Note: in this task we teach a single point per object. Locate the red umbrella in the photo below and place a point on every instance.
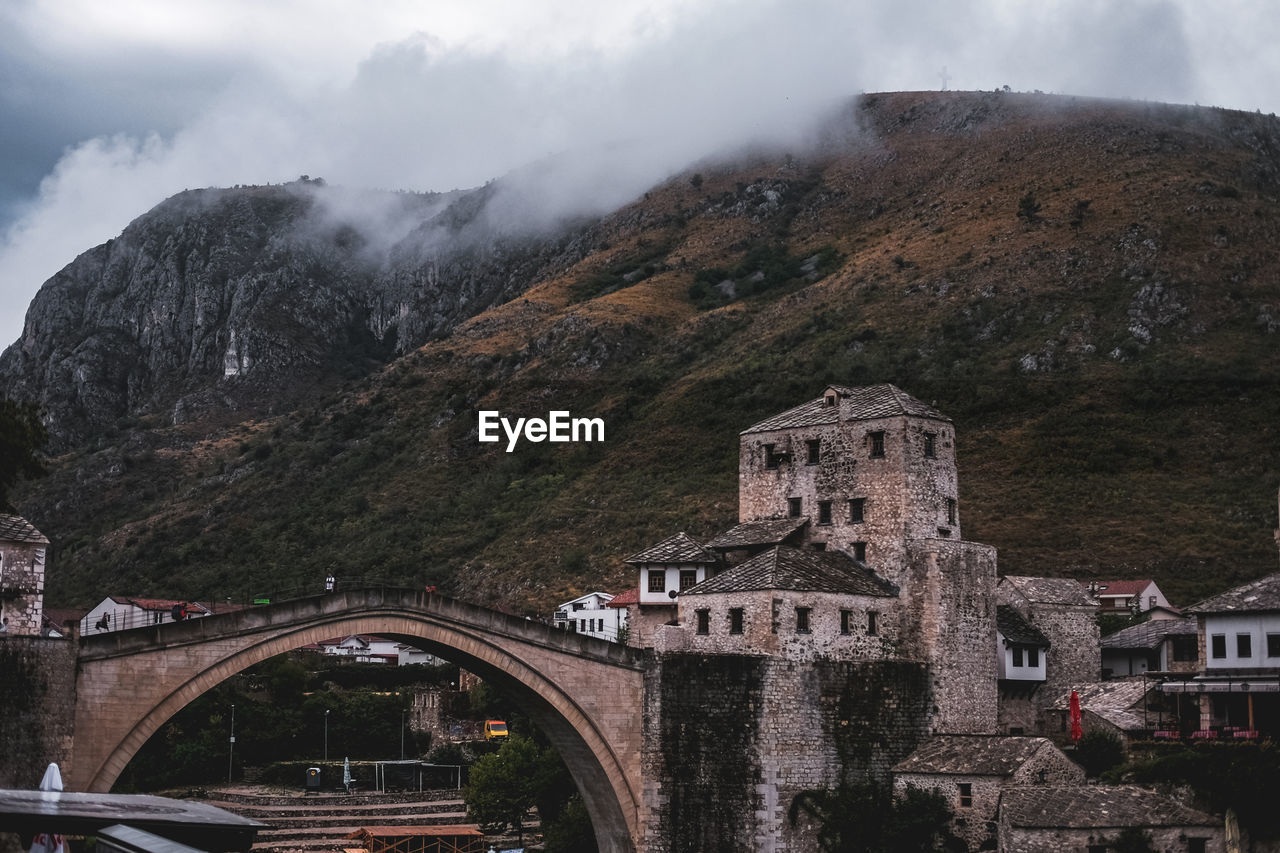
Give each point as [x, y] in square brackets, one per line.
[1076, 731]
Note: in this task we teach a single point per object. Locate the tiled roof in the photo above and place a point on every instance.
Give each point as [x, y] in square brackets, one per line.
[1149, 635]
[15, 528]
[867, 403]
[769, 532]
[622, 599]
[1117, 587]
[1262, 594]
[972, 755]
[1095, 807]
[674, 549]
[1051, 590]
[1016, 629]
[1118, 694]
[802, 569]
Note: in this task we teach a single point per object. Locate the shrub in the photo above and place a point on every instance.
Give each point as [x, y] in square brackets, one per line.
[1098, 751]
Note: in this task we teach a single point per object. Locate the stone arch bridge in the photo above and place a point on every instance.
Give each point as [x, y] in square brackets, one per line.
[586, 694]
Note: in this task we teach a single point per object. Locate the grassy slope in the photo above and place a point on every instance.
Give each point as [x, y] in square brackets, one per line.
[1160, 460]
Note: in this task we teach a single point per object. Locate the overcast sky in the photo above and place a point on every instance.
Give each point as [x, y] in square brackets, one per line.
[108, 108]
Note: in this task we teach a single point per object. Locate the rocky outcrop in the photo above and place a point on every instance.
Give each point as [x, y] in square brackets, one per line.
[246, 299]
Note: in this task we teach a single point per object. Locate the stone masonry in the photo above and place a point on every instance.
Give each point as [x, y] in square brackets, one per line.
[22, 556]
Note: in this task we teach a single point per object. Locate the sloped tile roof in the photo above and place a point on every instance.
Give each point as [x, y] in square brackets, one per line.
[1117, 587]
[161, 603]
[1017, 629]
[1052, 590]
[674, 549]
[1262, 594]
[1095, 807]
[866, 403]
[1149, 635]
[801, 569]
[768, 532]
[15, 528]
[622, 599]
[973, 755]
[1118, 694]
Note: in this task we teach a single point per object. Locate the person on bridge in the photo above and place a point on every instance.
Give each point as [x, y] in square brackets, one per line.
[103, 624]
[328, 584]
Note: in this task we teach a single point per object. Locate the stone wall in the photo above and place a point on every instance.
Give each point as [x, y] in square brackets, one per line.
[730, 740]
[1074, 657]
[22, 587]
[950, 595]
[769, 624]
[38, 695]
[1029, 840]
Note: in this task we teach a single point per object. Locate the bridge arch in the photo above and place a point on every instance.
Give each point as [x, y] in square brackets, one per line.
[584, 693]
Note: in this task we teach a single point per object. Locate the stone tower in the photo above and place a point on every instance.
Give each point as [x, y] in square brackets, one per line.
[871, 469]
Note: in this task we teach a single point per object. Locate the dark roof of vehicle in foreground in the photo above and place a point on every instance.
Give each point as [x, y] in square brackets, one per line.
[72, 813]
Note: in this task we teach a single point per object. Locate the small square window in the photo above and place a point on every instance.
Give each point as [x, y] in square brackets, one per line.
[876, 441]
[1273, 645]
[824, 512]
[1197, 845]
[860, 551]
[1244, 645]
[930, 445]
[771, 459]
[802, 619]
[1218, 643]
[857, 510]
[735, 620]
[846, 621]
[688, 578]
[1185, 648]
[657, 580]
[814, 447]
[872, 619]
[704, 621]
[795, 507]
[965, 790]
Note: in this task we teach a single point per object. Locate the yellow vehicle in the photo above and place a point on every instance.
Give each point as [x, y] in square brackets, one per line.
[495, 729]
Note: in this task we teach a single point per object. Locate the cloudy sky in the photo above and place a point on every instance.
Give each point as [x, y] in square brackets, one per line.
[108, 108]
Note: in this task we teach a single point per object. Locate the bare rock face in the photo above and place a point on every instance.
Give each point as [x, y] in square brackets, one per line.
[249, 299]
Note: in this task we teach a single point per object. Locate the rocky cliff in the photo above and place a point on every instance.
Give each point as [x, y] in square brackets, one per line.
[235, 302]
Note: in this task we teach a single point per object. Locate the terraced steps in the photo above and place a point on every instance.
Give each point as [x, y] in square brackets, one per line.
[325, 822]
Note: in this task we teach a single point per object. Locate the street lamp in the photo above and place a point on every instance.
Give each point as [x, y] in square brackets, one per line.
[326, 734]
[231, 750]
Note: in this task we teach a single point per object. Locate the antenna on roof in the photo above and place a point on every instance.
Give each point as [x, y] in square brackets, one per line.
[944, 76]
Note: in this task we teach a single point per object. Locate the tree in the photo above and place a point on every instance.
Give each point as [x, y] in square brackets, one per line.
[571, 832]
[504, 786]
[864, 817]
[21, 437]
[1098, 751]
[1029, 209]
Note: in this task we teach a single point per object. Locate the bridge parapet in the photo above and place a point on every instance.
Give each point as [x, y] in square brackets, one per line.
[351, 602]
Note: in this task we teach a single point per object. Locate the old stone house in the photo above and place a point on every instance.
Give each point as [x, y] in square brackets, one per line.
[970, 771]
[1089, 818]
[22, 558]
[848, 620]
[1065, 614]
[1122, 707]
[1158, 645]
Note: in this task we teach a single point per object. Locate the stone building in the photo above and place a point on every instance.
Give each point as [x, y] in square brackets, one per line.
[1064, 613]
[22, 556]
[674, 564]
[970, 771]
[1092, 817]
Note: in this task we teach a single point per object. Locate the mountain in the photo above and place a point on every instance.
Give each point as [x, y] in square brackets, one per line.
[1090, 289]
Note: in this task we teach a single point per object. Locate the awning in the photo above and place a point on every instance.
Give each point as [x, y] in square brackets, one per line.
[1242, 686]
